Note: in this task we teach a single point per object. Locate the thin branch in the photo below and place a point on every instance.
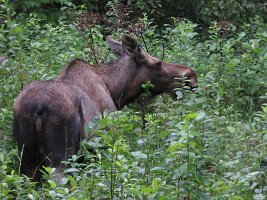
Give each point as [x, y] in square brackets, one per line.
[89, 44]
[107, 55]
[92, 46]
[163, 51]
[144, 41]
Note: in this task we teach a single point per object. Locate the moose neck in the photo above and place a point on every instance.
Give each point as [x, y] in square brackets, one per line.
[119, 77]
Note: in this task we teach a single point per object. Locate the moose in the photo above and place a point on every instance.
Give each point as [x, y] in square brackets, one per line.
[49, 115]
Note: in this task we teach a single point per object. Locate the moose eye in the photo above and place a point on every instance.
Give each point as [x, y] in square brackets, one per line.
[158, 65]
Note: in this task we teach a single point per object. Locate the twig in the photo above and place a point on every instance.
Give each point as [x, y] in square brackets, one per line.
[90, 45]
[38, 166]
[20, 159]
[163, 51]
[107, 55]
[144, 41]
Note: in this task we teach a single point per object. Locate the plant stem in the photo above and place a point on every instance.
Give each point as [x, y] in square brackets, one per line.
[111, 174]
[144, 42]
[92, 46]
[92, 184]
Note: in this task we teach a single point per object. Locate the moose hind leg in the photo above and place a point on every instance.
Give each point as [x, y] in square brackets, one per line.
[60, 142]
[28, 149]
[30, 162]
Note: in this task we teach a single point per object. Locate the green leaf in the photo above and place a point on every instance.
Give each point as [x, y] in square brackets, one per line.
[52, 193]
[163, 134]
[242, 34]
[181, 171]
[52, 184]
[147, 190]
[158, 169]
[179, 94]
[231, 129]
[175, 147]
[72, 170]
[30, 196]
[2, 156]
[139, 155]
[236, 198]
[191, 116]
[230, 164]
[201, 115]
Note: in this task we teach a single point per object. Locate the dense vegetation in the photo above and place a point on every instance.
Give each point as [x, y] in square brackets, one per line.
[211, 144]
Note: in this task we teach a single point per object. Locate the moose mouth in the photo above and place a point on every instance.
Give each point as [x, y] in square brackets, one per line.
[186, 85]
[173, 86]
[189, 86]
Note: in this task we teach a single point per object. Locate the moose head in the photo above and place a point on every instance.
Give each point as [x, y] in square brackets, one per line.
[164, 76]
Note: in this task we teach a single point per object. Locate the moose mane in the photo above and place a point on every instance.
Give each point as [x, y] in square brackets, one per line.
[113, 66]
[71, 67]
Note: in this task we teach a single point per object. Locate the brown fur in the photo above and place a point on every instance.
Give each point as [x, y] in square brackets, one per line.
[49, 115]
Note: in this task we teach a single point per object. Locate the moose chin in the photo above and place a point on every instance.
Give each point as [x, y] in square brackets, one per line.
[49, 116]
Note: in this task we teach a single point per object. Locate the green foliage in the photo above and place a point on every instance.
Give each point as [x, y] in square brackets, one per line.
[210, 144]
[45, 9]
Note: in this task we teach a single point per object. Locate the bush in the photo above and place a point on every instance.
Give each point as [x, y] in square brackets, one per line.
[210, 144]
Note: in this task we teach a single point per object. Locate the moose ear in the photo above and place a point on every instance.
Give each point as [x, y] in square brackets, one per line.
[115, 46]
[130, 46]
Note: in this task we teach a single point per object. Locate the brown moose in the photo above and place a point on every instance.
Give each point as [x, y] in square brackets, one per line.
[49, 115]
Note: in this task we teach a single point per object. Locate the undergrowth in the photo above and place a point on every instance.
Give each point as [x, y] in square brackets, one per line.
[210, 144]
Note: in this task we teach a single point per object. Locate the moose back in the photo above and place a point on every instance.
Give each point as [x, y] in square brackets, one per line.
[49, 116]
